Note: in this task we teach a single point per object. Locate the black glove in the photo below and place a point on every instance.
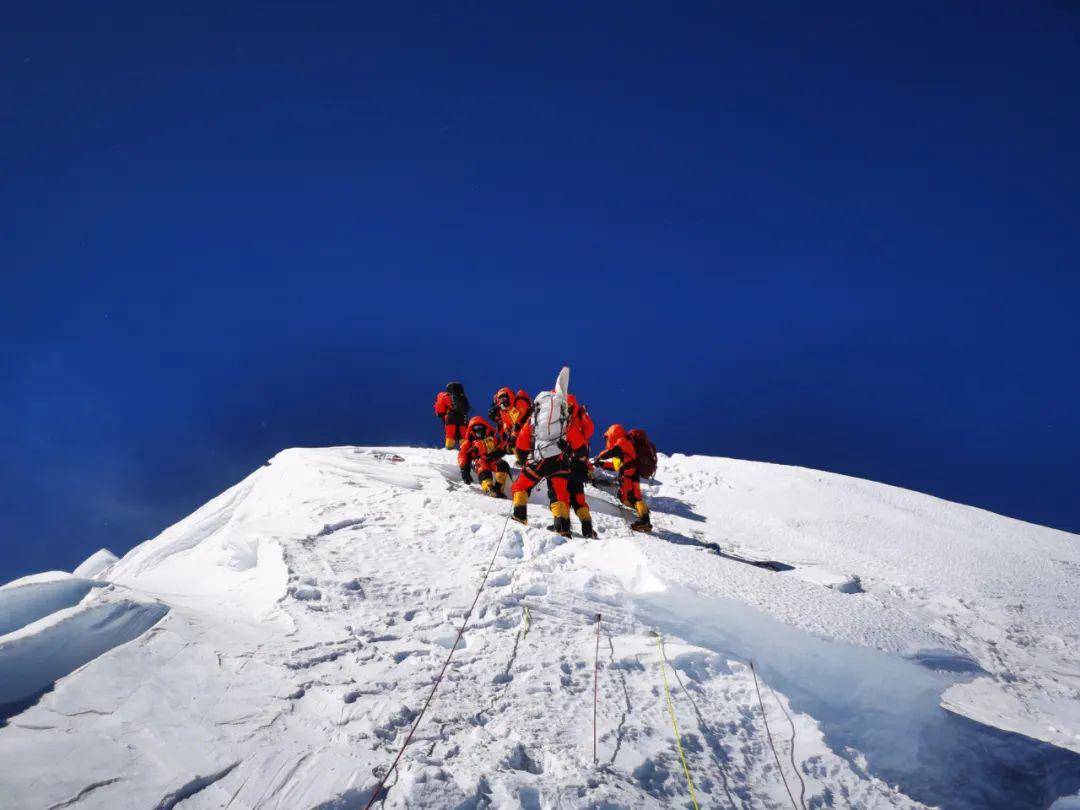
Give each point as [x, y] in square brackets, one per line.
[466, 475]
[522, 456]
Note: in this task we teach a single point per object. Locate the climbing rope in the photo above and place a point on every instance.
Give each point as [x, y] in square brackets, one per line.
[442, 672]
[674, 722]
[753, 671]
[382, 790]
[626, 695]
[705, 730]
[596, 687]
[791, 748]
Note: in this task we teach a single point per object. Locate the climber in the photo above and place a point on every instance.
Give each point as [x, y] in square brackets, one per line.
[482, 450]
[452, 407]
[509, 412]
[579, 431]
[544, 447]
[621, 456]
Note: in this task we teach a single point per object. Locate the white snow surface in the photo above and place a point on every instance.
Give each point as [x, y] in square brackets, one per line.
[272, 649]
[95, 564]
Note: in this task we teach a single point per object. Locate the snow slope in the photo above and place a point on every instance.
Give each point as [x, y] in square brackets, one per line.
[272, 649]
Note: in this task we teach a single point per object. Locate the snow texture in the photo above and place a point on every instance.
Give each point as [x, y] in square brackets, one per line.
[95, 564]
[273, 649]
[31, 598]
[34, 656]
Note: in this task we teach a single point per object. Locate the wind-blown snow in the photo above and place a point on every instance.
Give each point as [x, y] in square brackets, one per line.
[34, 656]
[271, 650]
[96, 563]
[31, 598]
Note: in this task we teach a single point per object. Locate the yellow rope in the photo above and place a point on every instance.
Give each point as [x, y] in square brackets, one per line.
[674, 722]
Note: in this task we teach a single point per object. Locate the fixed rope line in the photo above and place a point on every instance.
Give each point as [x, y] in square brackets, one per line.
[629, 705]
[705, 730]
[791, 749]
[753, 671]
[674, 722]
[500, 691]
[442, 672]
[386, 793]
[596, 687]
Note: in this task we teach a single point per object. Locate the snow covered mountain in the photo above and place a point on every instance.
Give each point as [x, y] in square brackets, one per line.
[273, 649]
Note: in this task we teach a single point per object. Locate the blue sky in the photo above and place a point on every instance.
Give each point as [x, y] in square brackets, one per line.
[844, 237]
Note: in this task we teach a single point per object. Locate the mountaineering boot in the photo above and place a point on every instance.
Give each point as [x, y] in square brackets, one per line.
[521, 500]
[562, 518]
[642, 524]
[485, 486]
[450, 443]
[586, 521]
[500, 484]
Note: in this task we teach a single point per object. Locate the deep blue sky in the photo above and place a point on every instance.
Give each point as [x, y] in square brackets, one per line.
[841, 235]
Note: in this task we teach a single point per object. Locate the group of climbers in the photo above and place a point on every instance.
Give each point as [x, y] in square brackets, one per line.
[549, 437]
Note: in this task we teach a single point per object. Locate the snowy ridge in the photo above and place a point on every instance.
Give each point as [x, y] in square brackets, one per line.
[26, 600]
[271, 650]
[97, 563]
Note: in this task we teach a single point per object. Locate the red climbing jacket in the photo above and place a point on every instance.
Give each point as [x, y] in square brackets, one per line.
[482, 446]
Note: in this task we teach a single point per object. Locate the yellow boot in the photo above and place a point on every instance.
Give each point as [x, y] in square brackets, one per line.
[586, 521]
[562, 518]
[643, 523]
[450, 443]
[521, 500]
[500, 484]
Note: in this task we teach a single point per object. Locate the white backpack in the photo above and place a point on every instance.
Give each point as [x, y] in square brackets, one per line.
[549, 418]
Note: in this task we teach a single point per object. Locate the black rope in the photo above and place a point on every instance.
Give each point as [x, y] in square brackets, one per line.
[791, 749]
[705, 728]
[779, 767]
[442, 672]
[629, 705]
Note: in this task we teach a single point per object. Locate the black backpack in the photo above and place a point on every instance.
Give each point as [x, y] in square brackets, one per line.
[457, 397]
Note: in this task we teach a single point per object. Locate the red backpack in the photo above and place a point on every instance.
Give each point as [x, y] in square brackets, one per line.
[645, 451]
[443, 403]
